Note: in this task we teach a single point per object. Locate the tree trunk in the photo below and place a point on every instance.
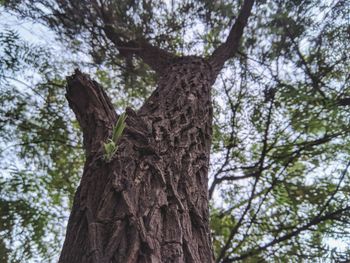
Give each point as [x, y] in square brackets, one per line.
[150, 203]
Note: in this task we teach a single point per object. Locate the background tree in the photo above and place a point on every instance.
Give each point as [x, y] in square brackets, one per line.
[279, 157]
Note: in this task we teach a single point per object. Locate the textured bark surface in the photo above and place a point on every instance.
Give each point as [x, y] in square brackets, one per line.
[150, 203]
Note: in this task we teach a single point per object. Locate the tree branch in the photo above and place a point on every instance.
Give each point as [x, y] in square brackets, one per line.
[155, 57]
[93, 109]
[233, 138]
[315, 221]
[315, 81]
[235, 229]
[228, 49]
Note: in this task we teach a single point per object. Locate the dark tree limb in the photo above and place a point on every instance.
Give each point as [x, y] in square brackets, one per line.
[343, 101]
[153, 56]
[93, 109]
[228, 49]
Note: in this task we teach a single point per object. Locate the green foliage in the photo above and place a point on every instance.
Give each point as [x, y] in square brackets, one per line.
[279, 173]
[110, 146]
[41, 156]
[288, 166]
[16, 53]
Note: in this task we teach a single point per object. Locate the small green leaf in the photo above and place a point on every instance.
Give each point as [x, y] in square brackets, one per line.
[119, 127]
[110, 146]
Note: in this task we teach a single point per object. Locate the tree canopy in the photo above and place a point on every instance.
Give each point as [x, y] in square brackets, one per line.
[279, 180]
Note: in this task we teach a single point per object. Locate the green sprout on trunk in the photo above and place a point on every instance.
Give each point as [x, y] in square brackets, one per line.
[110, 146]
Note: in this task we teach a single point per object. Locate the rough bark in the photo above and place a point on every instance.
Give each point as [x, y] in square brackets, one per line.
[150, 203]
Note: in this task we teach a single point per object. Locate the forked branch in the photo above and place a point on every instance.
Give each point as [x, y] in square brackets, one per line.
[228, 49]
[92, 107]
